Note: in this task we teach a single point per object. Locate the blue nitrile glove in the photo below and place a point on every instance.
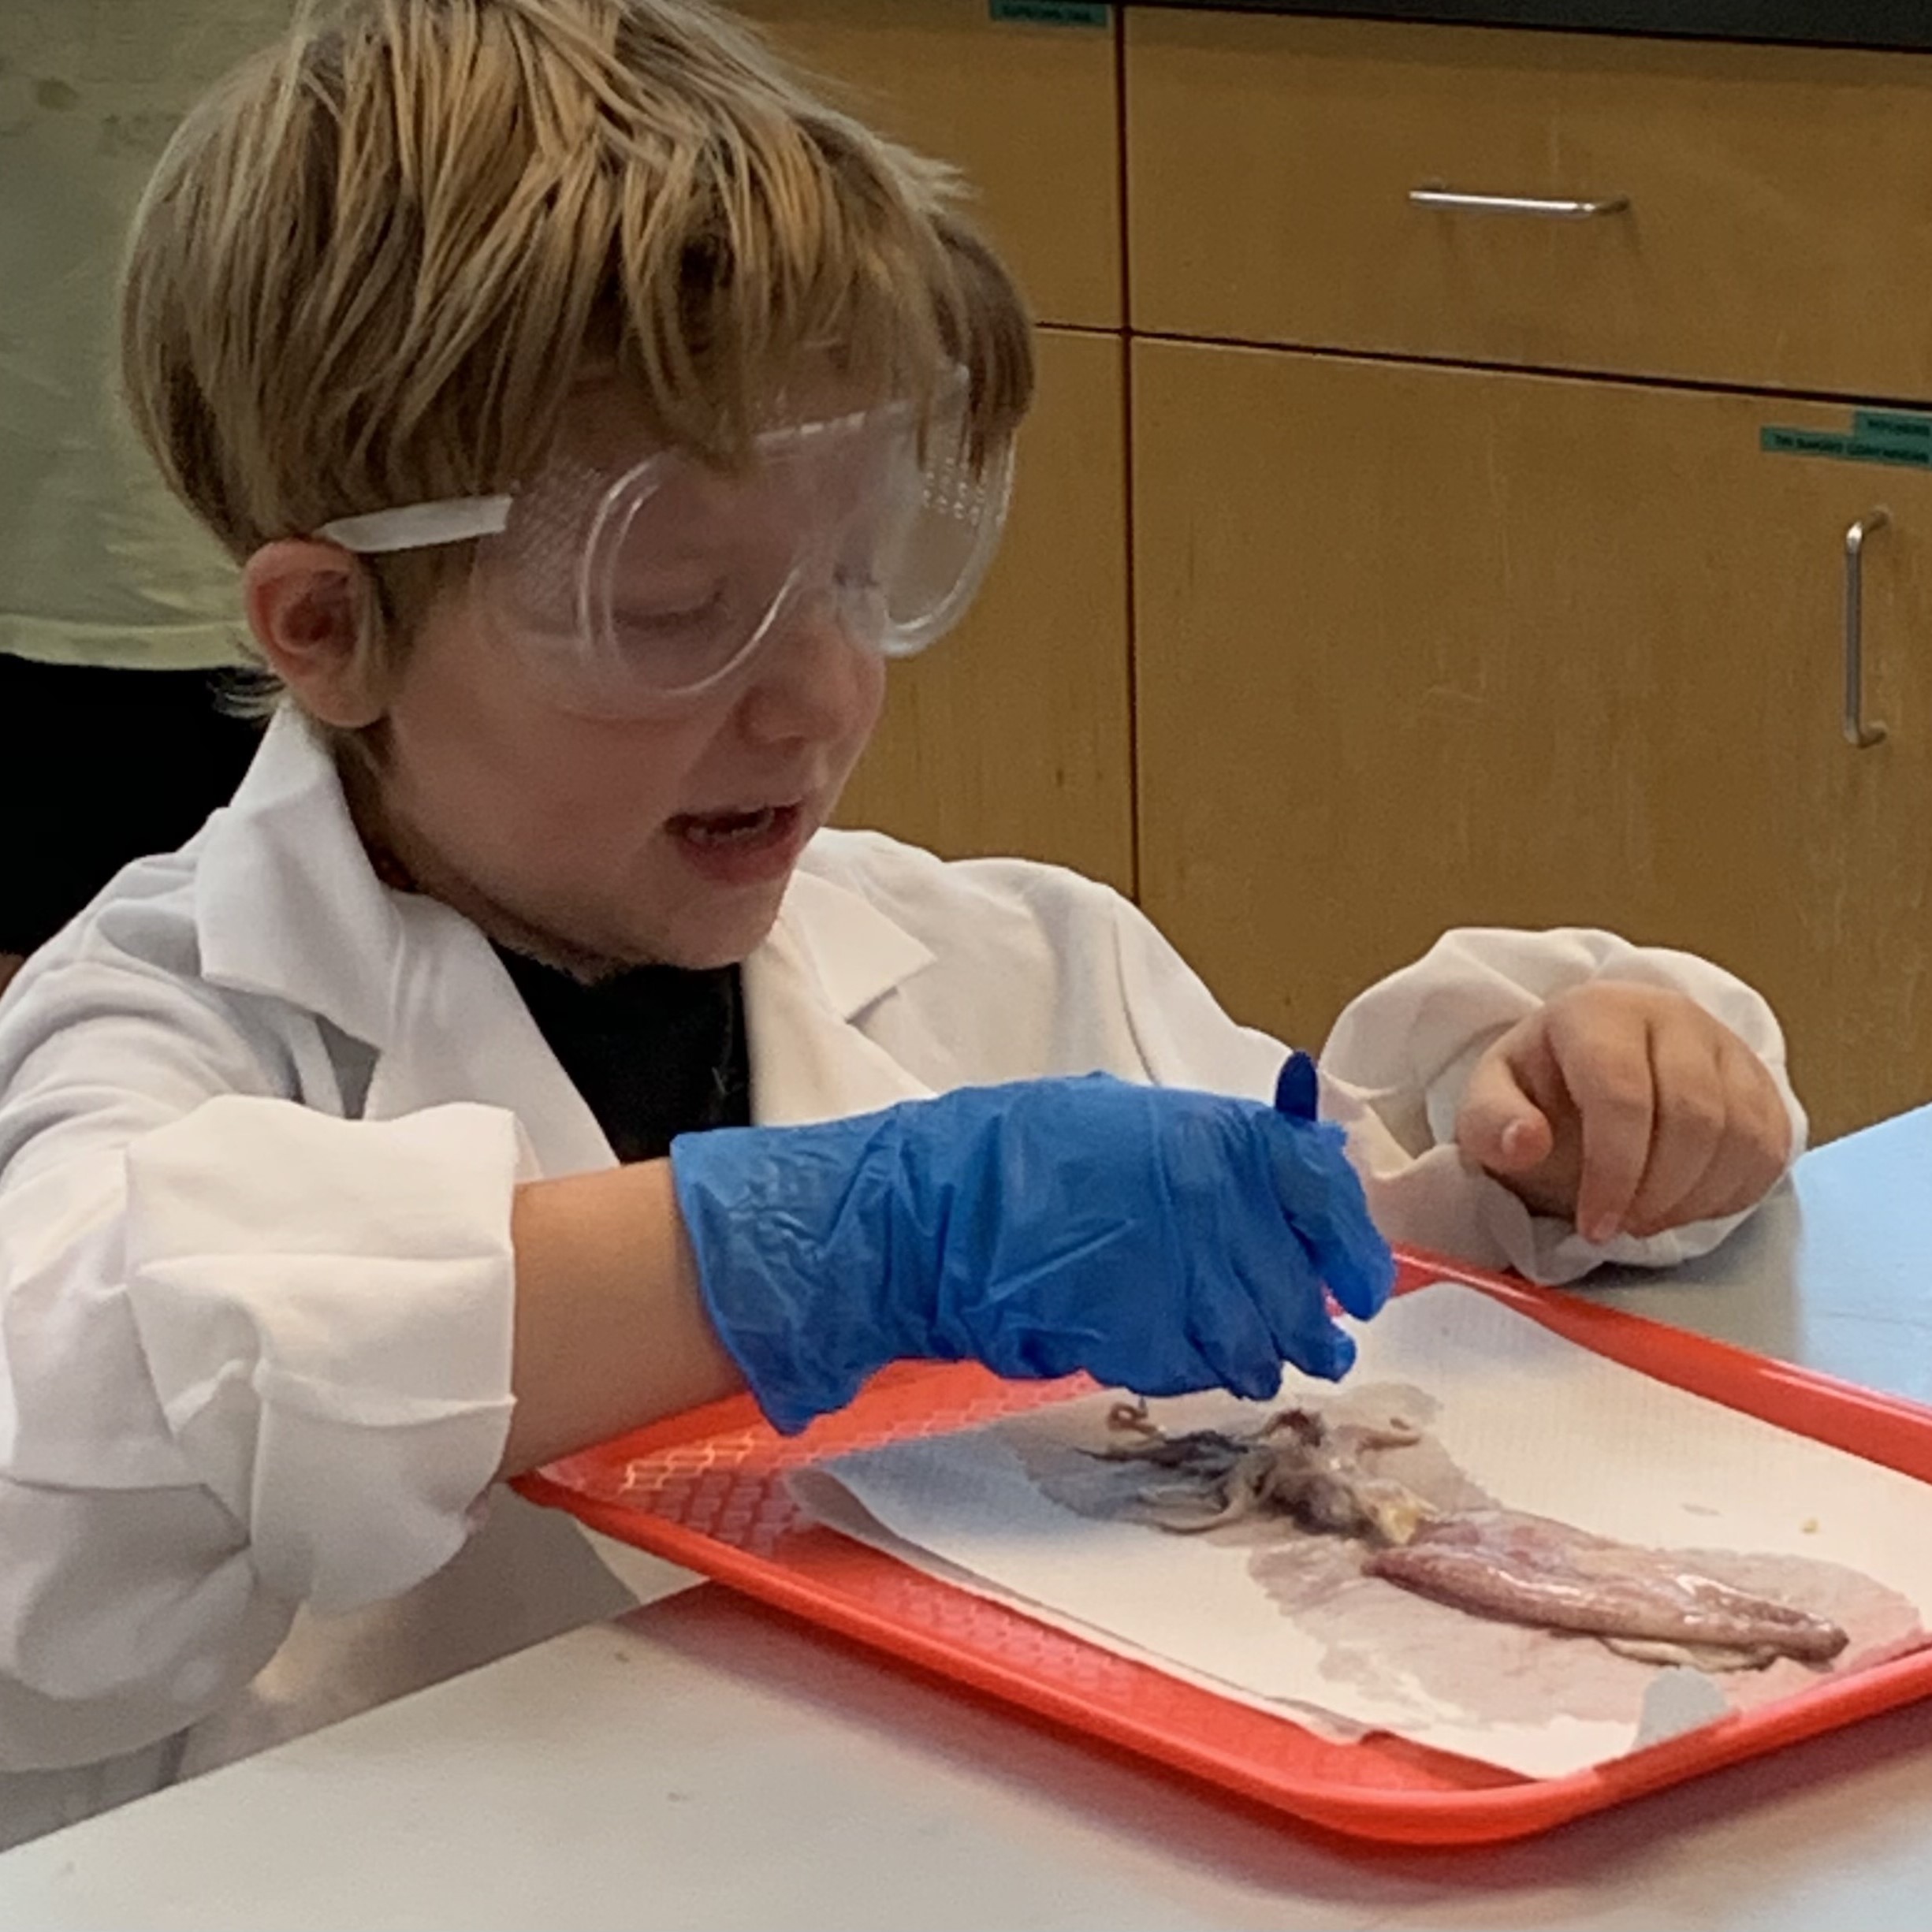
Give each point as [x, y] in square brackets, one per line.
[1163, 1239]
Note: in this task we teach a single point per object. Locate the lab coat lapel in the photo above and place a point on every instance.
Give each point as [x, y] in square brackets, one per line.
[461, 1031]
[287, 906]
[830, 960]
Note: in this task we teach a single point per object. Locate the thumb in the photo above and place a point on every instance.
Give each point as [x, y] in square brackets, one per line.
[1499, 1126]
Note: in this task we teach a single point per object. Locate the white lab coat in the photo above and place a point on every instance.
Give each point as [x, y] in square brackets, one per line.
[261, 1118]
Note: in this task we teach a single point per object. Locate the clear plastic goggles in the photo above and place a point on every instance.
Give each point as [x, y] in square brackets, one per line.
[635, 592]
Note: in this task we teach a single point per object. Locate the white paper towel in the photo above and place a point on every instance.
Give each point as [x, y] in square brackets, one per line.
[1541, 1424]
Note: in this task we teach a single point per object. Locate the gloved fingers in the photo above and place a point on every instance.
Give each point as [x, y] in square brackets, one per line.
[1231, 1334]
[1329, 1355]
[1182, 1376]
[1280, 1276]
[1361, 1273]
[1126, 1322]
[1322, 1199]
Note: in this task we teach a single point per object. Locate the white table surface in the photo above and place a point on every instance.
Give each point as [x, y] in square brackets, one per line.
[706, 1763]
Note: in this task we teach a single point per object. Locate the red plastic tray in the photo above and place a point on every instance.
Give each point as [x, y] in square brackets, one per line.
[707, 1490]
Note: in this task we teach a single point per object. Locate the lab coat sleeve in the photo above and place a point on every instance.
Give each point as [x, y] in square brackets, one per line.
[251, 1356]
[1394, 1067]
[1401, 1055]
[324, 1306]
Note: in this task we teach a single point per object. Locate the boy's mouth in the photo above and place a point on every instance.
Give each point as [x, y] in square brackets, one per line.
[741, 847]
[715, 829]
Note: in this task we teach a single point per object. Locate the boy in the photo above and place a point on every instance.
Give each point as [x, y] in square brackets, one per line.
[591, 413]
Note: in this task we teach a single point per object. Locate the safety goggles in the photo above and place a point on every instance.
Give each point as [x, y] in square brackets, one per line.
[634, 592]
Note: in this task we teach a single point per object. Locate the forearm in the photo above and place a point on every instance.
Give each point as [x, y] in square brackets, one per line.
[611, 1332]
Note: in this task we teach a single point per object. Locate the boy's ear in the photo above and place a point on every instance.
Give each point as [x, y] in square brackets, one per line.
[309, 605]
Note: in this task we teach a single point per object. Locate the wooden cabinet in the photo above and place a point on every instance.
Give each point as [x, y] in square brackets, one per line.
[1462, 589]
[1421, 647]
[1429, 631]
[1012, 734]
[1768, 211]
[1028, 112]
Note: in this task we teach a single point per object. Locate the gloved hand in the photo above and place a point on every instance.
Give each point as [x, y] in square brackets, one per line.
[1163, 1239]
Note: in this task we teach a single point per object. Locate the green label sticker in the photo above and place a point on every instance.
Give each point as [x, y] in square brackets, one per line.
[1051, 13]
[1855, 447]
[1880, 426]
[1801, 442]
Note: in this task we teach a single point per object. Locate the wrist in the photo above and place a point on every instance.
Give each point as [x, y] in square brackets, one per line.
[799, 1266]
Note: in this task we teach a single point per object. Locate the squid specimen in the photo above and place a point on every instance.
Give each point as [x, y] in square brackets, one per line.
[1649, 1604]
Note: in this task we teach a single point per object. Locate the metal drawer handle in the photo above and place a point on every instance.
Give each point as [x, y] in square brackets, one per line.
[1858, 733]
[1519, 204]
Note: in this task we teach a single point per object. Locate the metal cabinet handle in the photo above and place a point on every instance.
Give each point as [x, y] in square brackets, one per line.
[1519, 204]
[1859, 733]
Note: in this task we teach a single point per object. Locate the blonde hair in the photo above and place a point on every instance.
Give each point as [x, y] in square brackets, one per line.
[370, 264]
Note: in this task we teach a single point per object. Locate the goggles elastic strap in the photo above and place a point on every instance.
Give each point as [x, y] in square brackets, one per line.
[420, 525]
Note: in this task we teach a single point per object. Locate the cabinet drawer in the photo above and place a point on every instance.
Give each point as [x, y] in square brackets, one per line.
[1777, 230]
[1029, 113]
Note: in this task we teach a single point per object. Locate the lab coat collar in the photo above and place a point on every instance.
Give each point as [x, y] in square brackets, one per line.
[856, 953]
[282, 880]
[287, 905]
[832, 959]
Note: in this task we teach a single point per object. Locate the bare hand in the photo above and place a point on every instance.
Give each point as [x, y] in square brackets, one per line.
[1628, 1109]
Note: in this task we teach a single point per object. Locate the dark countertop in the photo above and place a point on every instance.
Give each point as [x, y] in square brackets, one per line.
[1824, 23]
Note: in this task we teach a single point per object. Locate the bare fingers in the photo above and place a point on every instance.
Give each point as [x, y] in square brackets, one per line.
[1681, 1121]
[1607, 1071]
[1742, 1133]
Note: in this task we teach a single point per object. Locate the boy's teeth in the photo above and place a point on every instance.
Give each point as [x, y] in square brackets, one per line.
[727, 828]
